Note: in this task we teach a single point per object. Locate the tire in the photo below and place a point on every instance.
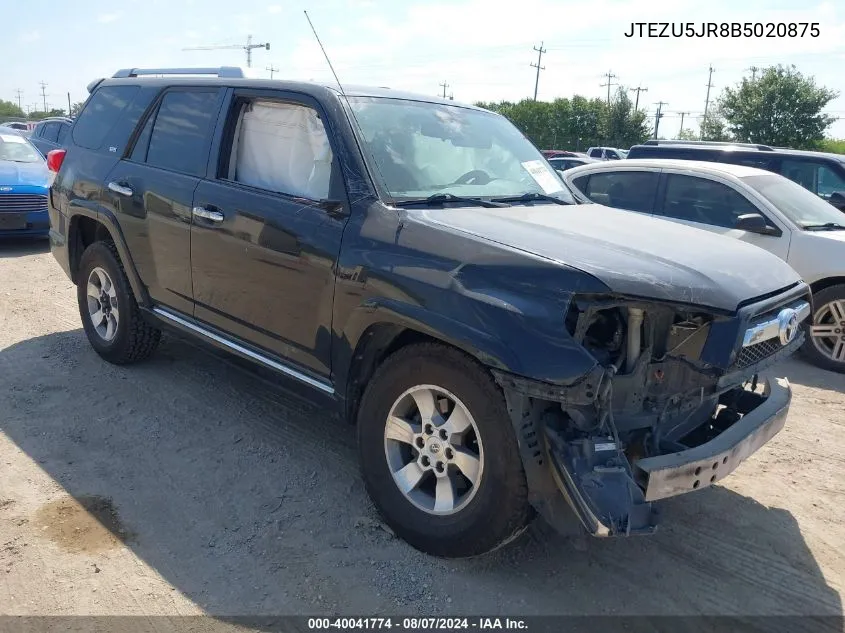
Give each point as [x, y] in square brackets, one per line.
[490, 513]
[829, 313]
[130, 338]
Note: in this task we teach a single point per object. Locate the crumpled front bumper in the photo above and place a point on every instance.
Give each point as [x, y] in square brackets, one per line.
[695, 468]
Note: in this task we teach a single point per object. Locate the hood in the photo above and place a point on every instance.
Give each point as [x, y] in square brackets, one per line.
[24, 174]
[631, 253]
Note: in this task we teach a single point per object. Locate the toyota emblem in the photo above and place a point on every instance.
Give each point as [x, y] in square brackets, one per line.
[787, 325]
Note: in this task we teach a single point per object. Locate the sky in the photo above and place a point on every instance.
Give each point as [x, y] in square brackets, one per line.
[481, 48]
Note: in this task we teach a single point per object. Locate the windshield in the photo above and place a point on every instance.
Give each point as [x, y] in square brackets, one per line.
[422, 149]
[798, 204]
[15, 148]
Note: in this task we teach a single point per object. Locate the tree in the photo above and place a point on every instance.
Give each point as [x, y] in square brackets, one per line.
[76, 108]
[687, 134]
[714, 128]
[781, 107]
[624, 125]
[37, 115]
[9, 109]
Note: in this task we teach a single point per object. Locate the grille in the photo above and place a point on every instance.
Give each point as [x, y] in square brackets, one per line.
[22, 202]
[757, 352]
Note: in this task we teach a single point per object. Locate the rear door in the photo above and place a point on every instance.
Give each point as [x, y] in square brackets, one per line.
[628, 189]
[154, 187]
[713, 204]
[46, 136]
[265, 239]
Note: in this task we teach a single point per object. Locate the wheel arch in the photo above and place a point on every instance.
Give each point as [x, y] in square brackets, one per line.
[826, 282]
[86, 226]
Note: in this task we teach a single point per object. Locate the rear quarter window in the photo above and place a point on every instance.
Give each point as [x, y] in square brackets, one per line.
[101, 114]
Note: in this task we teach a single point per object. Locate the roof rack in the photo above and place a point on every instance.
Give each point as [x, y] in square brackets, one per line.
[764, 148]
[222, 71]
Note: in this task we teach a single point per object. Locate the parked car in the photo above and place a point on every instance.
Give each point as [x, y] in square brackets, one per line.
[420, 269]
[562, 164]
[51, 133]
[607, 153]
[746, 203]
[558, 153]
[21, 127]
[819, 172]
[24, 179]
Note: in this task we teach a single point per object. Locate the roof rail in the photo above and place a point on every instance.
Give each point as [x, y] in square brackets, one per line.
[222, 71]
[764, 148]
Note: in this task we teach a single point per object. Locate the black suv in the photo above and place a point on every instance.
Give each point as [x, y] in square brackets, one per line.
[820, 172]
[418, 266]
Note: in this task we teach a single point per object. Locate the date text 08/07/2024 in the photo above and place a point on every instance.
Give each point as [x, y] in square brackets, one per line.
[416, 623]
[723, 29]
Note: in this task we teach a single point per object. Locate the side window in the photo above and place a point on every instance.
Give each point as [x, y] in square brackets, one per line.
[705, 201]
[814, 176]
[100, 114]
[181, 133]
[612, 155]
[283, 148]
[581, 183]
[139, 152]
[631, 190]
[748, 161]
[595, 153]
[50, 132]
[64, 128]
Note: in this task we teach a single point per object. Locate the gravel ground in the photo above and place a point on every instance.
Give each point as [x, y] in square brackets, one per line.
[185, 485]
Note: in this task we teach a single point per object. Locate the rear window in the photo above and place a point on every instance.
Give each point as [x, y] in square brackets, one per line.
[103, 110]
[50, 132]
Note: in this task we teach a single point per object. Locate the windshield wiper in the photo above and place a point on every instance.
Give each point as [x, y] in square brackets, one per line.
[531, 197]
[828, 226]
[440, 198]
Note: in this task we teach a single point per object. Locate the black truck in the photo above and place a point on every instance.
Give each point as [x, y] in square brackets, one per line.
[418, 266]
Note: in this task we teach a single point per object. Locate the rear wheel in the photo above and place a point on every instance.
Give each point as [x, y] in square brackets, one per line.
[110, 316]
[439, 455]
[825, 345]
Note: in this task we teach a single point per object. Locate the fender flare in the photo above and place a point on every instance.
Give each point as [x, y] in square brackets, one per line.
[108, 220]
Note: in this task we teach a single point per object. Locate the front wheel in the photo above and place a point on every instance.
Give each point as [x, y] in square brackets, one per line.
[825, 345]
[439, 455]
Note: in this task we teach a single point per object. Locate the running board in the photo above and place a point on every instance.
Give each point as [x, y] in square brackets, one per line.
[242, 351]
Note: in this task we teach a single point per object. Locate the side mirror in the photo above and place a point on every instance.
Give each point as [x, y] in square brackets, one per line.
[837, 199]
[754, 223]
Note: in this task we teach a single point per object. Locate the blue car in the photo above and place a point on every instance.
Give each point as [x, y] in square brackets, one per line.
[24, 183]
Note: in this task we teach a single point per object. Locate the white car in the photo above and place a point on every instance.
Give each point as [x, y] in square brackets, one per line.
[745, 203]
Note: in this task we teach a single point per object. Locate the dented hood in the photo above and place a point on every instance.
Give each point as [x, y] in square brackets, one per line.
[631, 253]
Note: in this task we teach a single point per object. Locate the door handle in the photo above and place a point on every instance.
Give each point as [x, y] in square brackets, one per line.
[123, 190]
[202, 212]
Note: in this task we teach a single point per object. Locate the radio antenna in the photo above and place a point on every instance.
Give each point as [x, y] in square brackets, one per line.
[325, 54]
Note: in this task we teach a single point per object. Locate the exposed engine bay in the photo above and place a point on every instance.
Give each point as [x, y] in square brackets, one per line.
[673, 404]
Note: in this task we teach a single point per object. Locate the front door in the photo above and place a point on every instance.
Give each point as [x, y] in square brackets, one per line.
[265, 237]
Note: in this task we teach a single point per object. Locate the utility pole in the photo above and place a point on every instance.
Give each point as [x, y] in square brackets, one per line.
[658, 115]
[272, 70]
[44, 94]
[444, 85]
[19, 93]
[68, 104]
[609, 76]
[638, 90]
[707, 100]
[248, 47]
[540, 52]
[682, 122]
[753, 70]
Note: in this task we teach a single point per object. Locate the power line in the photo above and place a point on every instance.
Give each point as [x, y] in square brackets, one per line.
[248, 47]
[540, 52]
[707, 99]
[638, 91]
[609, 76]
[444, 85]
[658, 115]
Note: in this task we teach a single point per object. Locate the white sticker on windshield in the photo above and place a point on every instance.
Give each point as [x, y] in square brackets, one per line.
[543, 176]
[11, 138]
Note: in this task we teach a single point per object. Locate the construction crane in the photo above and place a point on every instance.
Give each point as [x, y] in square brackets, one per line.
[247, 47]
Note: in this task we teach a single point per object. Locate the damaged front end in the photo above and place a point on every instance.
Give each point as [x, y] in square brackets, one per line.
[676, 400]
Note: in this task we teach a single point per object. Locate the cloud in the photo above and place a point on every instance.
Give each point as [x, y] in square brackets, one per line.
[105, 18]
[29, 36]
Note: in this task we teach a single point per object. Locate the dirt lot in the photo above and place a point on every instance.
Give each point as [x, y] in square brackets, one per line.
[186, 486]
